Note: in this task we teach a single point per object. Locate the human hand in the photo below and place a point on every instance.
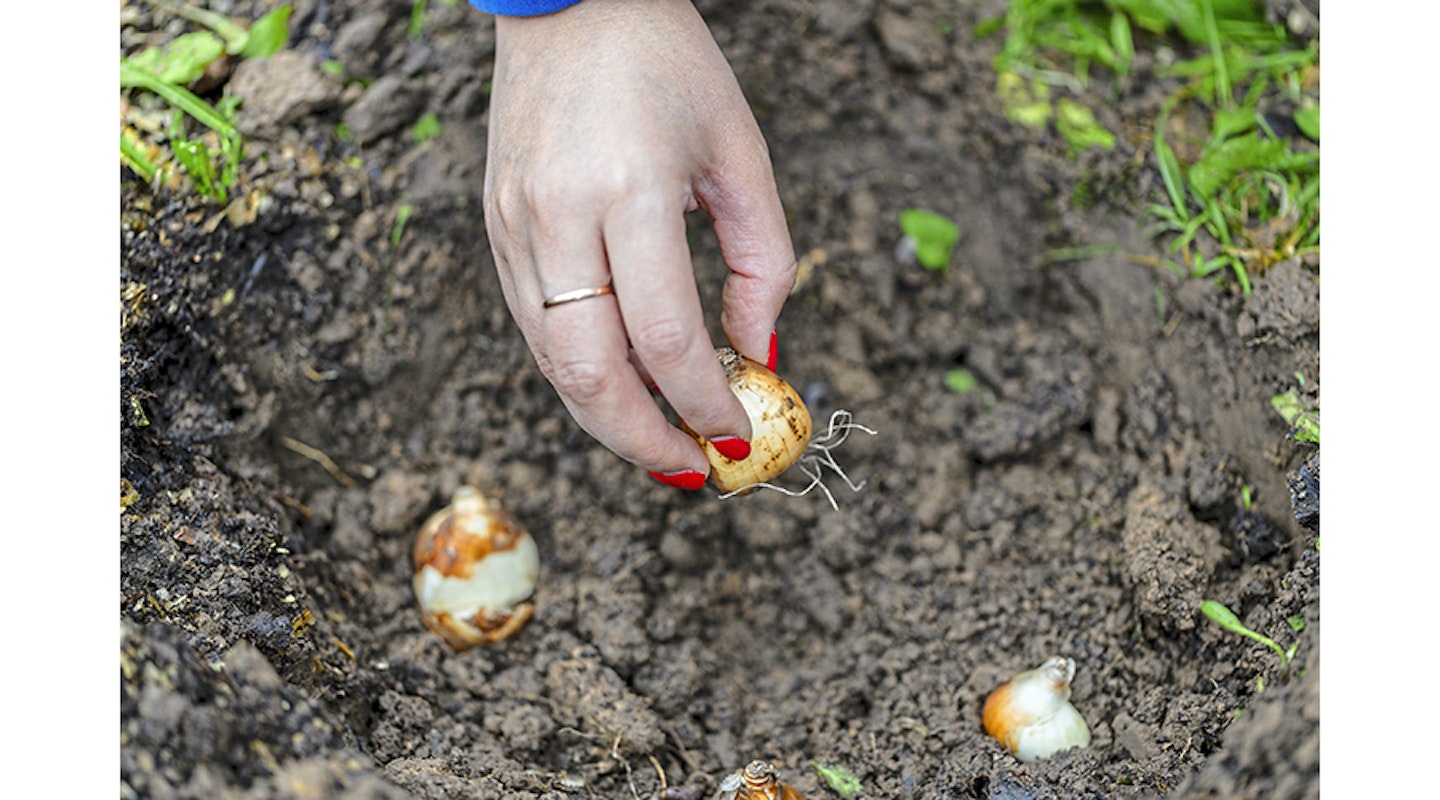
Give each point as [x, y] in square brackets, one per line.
[608, 121]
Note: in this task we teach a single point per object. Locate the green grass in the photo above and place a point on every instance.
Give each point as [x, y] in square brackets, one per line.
[210, 157]
[1236, 145]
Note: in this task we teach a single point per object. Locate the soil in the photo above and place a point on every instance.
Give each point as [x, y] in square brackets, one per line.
[300, 390]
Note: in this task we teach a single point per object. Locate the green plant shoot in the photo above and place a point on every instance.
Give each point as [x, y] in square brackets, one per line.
[838, 779]
[1226, 619]
[425, 129]
[960, 380]
[402, 216]
[933, 236]
[1304, 426]
[1077, 124]
[167, 71]
[263, 38]
[1251, 193]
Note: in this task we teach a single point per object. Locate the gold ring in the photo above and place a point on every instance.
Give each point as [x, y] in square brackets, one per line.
[578, 294]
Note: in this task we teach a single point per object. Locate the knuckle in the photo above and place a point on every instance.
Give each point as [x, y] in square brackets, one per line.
[784, 277]
[545, 192]
[582, 380]
[501, 216]
[663, 342]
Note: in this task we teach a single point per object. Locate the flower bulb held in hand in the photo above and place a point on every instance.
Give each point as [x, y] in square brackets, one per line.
[609, 120]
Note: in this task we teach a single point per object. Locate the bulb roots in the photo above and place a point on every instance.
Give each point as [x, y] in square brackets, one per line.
[818, 457]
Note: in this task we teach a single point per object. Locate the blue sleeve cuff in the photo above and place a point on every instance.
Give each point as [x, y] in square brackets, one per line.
[522, 8]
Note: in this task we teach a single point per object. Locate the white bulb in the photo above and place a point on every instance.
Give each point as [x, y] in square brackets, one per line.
[1032, 715]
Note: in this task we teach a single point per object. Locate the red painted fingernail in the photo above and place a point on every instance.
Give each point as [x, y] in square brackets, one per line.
[682, 479]
[774, 359]
[732, 447]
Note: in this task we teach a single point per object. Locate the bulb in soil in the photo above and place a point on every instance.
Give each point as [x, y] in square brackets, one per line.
[1031, 714]
[780, 428]
[475, 568]
[758, 781]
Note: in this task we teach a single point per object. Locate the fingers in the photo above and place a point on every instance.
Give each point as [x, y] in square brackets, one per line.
[586, 357]
[584, 348]
[740, 196]
[646, 244]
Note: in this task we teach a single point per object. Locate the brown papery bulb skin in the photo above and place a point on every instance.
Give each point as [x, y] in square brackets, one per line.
[779, 425]
[758, 781]
[475, 568]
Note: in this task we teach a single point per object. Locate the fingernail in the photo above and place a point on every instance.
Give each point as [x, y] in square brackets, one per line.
[682, 479]
[732, 447]
[774, 359]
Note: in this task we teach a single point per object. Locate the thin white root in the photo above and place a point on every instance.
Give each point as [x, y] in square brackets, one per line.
[818, 454]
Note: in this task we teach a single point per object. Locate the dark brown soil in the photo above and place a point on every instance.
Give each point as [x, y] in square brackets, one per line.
[1082, 501]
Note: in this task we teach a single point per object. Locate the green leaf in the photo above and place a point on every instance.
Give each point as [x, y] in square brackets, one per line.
[179, 97]
[838, 779]
[1148, 14]
[1233, 156]
[198, 161]
[268, 35]
[989, 27]
[1232, 122]
[226, 28]
[1222, 616]
[1226, 619]
[1209, 267]
[1077, 124]
[960, 380]
[1027, 103]
[934, 237]
[132, 153]
[181, 61]
[425, 129]
[1169, 165]
[1305, 426]
[1307, 119]
[417, 20]
[402, 216]
[1122, 40]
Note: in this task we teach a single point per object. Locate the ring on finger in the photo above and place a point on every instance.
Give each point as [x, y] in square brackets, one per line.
[578, 294]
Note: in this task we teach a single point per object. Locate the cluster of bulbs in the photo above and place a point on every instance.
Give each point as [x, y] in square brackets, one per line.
[476, 568]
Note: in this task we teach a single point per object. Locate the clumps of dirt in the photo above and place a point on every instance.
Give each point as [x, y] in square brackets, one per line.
[592, 697]
[1055, 399]
[193, 728]
[299, 393]
[1168, 557]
